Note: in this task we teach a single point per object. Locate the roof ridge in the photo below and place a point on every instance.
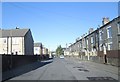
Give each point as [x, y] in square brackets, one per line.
[16, 29]
[15, 32]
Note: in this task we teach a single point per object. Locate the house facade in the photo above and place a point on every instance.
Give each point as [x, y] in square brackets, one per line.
[16, 41]
[38, 49]
[100, 45]
[109, 41]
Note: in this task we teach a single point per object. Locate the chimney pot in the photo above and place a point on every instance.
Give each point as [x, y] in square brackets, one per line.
[17, 27]
[105, 20]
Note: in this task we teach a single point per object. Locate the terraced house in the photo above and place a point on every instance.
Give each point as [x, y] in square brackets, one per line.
[100, 45]
[109, 41]
[16, 41]
[38, 49]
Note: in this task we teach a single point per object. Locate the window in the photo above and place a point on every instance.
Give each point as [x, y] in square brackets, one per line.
[70, 49]
[4, 40]
[91, 39]
[119, 45]
[36, 49]
[109, 32]
[84, 43]
[15, 41]
[118, 27]
[110, 46]
[78, 45]
[100, 47]
[100, 35]
[96, 36]
[87, 42]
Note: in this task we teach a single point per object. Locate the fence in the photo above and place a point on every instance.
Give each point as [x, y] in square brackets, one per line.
[113, 57]
[13, 61]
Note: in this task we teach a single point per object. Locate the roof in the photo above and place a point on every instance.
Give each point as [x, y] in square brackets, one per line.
[14, 32]
[37, 44]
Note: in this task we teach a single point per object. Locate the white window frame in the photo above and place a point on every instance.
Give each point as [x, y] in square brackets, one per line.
[100, 35]
[108, 32]
[87, 42]
[100, 47]
[92, 40]
[108, 47]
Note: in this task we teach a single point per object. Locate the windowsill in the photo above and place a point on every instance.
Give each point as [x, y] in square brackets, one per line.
[109, 50]
[109, 38]
[15, 44]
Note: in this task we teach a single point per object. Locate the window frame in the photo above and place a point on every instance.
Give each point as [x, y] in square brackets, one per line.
[87, 43]
[108, 32]
[15, 40]
[100, 35]
[108, 46]
[100, 47]
[4, 41]
[92, 40]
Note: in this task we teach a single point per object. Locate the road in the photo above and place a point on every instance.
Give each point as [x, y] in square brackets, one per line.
[71, 69]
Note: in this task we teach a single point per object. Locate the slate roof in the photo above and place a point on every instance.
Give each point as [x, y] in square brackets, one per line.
[37, 44]
[14, 32]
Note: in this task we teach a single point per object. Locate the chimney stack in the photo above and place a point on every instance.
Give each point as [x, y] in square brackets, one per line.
[17, 27]
[105, 20]
[90, 30]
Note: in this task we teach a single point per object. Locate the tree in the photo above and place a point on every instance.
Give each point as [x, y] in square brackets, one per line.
[59, 50]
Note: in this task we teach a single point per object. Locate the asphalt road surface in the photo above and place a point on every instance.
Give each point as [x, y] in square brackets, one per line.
[71, 69]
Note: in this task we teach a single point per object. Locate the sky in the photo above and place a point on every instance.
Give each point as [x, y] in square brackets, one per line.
[56, 23]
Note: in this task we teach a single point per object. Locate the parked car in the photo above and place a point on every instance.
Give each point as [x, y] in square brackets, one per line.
[61, 56]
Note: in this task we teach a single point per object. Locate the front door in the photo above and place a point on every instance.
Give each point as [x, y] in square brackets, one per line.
[105, 54]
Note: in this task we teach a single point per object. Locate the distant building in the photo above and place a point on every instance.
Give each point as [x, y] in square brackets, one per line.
[38, 49]
[45, 50]
[66, 52]
[16, 41]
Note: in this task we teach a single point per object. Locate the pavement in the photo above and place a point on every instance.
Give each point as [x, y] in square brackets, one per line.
[23, 69]
[71, 69]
